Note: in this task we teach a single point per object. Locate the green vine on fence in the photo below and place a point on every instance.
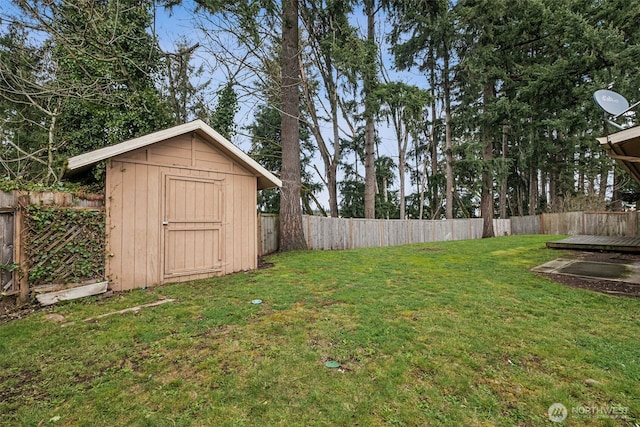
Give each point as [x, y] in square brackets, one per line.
[64, 245]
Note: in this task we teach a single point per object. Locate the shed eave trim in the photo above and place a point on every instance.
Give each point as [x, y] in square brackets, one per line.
[620, 146]
[622, 136]
[87, 159]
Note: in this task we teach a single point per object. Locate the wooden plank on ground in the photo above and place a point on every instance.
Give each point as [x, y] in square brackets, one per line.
[135, 309]
[52, 287]
[73, 293]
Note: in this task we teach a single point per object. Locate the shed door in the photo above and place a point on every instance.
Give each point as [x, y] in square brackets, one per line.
[192, 226]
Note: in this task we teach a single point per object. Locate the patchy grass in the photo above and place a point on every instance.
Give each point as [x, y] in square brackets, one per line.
[454, 333]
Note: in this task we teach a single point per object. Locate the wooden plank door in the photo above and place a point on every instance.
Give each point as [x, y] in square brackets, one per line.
[192, 226]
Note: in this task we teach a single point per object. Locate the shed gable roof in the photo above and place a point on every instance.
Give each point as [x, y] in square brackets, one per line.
[265, 178]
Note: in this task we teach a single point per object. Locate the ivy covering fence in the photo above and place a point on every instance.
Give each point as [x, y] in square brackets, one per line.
[64, 244]
[50, 241]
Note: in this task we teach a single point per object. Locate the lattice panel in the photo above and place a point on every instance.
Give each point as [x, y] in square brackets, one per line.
[64, 245]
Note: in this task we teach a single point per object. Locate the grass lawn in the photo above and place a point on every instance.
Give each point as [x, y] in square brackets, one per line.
[452, 333]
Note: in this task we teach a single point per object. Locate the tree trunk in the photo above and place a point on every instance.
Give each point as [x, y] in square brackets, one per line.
[581, 175]
[486, 198]
[448, 141]
[616, 199]
[50, 147]
[554, 201]
[433, 154]
[604, 182]
[324, 62]
[402, 149]
[504, 184]
[423, 184]
[369, 143]
[333, 170]
[520, 201]
[329, 161]
[486, 202]
[533, 190]
[291, 232]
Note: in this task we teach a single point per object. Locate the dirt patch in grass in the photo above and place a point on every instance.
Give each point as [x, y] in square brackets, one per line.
[264, 264]
[21, 384]
[7, 304]
[609, 287]
[14, 312]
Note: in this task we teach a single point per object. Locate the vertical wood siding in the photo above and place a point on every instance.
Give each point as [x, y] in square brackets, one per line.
[136, 202]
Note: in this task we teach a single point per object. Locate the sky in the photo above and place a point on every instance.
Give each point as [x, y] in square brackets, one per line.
[181, 24]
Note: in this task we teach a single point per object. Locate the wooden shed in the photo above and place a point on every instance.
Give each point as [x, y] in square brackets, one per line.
[181, 204]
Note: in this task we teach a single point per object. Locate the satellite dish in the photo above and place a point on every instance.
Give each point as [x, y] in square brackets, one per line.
[613, 104]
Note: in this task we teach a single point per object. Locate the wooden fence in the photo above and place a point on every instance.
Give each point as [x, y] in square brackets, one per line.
[268, 231]
[599, 223]
[320, 232]
[14, 254]
[348, 233]
[7, 209]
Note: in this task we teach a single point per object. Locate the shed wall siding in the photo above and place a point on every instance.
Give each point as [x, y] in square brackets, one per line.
[134, 203]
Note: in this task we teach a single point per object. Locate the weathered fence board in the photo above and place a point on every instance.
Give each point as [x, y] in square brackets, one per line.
[366, 233]
[563, 223]
[7, 200]
[610, 223]
[72, 293]
[7, 203]
[502, 227]
[348, 233]
[268, 229]
[6, 252]
[529, 224]
[441, 231]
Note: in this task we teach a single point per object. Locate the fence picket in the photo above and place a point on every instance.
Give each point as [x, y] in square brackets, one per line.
[326, 233]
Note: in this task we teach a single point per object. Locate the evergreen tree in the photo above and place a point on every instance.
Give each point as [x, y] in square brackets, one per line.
[266, 149]
[184, 99]
[403, 105]
[423, 36]
[93, 81]
[223, 118]
[28, 107]
[327, 31]
[107, 44]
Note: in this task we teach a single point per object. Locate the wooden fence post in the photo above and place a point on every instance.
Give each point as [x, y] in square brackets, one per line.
[260, 238]
[21, 274]
[351, 243]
